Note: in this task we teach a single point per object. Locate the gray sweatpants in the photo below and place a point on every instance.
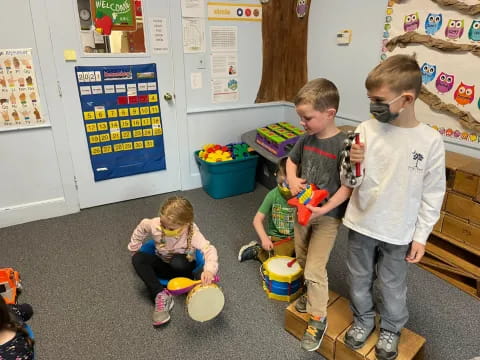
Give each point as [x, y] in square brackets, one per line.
[369, 259]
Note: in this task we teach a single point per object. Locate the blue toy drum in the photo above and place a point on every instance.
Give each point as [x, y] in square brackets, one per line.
[282, 278]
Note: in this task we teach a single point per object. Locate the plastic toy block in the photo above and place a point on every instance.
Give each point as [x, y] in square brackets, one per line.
[278, 138]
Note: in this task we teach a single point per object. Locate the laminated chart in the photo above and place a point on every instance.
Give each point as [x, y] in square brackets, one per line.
[19, 99]
[122, 119]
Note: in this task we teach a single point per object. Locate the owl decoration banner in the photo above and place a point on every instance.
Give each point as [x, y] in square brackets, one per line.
[445, 37]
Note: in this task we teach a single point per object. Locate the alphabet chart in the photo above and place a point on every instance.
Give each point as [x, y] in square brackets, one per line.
[19, 100]
[121, 114]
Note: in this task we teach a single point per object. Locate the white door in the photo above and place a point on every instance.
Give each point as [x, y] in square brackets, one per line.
[65, 22]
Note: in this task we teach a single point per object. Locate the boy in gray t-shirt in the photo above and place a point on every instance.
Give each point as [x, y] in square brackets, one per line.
[315, 158]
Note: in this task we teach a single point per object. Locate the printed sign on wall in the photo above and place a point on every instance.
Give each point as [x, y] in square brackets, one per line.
[236, 12]
[19, 100]
[121, 113]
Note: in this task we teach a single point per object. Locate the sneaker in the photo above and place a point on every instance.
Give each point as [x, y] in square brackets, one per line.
[387, 345]
[163, 305]
[301, 304]
[356, 336]
[249, 251]
[312, 338]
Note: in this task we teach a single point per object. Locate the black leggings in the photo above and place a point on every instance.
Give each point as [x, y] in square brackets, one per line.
[151, 267]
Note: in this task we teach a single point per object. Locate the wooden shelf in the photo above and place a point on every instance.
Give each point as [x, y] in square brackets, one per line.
[456, 242]
[466, 284]
[454, 256]
[432, 262]
[453, 250]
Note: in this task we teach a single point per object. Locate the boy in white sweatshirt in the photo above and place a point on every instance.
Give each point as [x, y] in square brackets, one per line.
[395, 205]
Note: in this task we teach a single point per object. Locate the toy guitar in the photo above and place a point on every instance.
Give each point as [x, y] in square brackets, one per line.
[311, 195]
[346, 163]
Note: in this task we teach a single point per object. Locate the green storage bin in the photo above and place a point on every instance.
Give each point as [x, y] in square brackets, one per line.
[229, 178]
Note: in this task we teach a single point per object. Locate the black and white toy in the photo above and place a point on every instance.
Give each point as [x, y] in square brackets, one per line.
[351, 172]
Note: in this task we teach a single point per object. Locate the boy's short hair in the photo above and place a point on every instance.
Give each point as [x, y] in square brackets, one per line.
[281, 172]
[399, 72]
[321, 93]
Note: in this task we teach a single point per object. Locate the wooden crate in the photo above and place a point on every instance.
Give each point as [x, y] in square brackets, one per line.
[454, 276]
[465, 183]
[452, 263]
[462, 230]
[462, 206]
[466, 173]
[409, 347]
[340, 319]
[439, 224]
[452, 162]
[453, 250]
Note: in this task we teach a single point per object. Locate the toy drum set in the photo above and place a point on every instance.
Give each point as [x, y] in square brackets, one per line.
[282, 278]
[204, 302]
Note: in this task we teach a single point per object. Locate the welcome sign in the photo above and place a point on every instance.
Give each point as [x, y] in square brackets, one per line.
[121, 13]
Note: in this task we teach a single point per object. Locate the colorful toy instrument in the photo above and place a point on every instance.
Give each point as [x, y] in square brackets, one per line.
[10, 285]
[182, 285]
[311, 195]
[280, 281]
[204, 302]
[278, 138]
[345, 161]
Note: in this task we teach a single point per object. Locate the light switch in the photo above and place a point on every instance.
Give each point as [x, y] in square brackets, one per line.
[344, 37]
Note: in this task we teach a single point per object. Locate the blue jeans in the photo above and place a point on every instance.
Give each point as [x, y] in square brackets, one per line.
[369, 260]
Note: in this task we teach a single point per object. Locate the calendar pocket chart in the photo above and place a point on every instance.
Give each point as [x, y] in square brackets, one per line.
[122, 119]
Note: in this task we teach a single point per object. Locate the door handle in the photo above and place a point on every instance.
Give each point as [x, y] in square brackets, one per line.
[168, 96]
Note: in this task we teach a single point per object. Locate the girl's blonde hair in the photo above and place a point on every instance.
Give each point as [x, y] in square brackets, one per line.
[178, 210]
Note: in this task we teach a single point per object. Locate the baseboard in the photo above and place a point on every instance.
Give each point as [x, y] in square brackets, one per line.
[39, 210]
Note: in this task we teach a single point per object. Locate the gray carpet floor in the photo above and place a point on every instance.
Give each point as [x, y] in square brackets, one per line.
[89, 303]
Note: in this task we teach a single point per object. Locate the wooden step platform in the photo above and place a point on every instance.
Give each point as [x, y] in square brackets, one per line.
[339, 320]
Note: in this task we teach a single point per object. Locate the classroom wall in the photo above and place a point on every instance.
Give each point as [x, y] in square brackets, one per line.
[348, 66]
[223, 127]
[225, 122]
[37, 177]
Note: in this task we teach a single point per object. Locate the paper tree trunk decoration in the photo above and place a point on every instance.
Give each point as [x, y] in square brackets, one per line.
[284, 50]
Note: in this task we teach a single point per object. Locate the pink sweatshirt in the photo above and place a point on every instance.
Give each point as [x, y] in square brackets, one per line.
[150, 228]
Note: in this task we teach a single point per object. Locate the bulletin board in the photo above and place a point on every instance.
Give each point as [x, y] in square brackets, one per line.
[445, 37]
[121, 13]
[248, 70]
[121, 114]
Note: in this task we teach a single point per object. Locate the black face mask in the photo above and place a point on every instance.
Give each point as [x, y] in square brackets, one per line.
[381, 111]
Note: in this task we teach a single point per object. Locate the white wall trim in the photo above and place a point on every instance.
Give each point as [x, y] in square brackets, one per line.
[23, 213]
[238, 107]
[23, 128]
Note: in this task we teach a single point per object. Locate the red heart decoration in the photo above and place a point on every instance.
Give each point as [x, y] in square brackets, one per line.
[105, 24]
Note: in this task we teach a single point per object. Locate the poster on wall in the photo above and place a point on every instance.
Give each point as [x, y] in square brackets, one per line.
[121, 114]
[225, 11]
[111, 15]
[193, 35]
[19, 100]
[445, 38]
